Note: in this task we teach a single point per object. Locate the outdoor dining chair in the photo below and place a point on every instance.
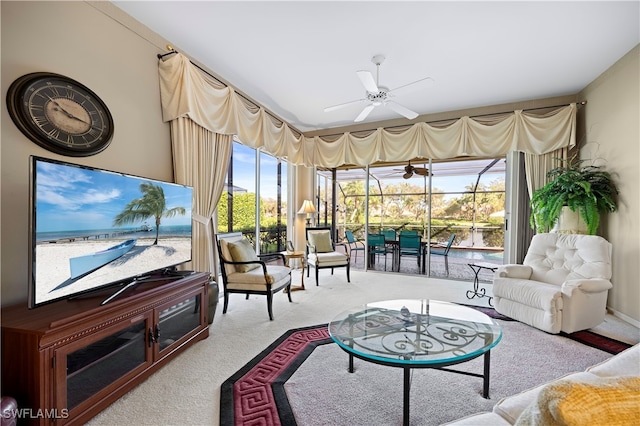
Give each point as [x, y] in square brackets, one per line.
[377, 247]
[389, 234]
[391, 242]
[443, 250]
[354, 244]
[409, 245]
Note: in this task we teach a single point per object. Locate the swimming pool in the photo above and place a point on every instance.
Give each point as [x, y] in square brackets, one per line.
[488, 255]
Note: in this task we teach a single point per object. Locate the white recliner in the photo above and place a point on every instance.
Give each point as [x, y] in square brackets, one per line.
[562, 284]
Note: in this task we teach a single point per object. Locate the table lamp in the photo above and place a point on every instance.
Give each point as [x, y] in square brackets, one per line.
[309, 209]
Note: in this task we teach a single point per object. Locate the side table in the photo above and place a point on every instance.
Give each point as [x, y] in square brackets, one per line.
[480, 292]
[298, 254]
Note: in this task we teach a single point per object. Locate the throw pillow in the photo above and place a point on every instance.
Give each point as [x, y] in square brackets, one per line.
[243, 251]
[605, 401]
[321, 241]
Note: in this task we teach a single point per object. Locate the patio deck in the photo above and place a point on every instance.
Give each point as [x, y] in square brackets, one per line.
[458, 267]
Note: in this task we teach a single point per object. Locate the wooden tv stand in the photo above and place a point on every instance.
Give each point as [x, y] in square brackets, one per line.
[67, 361]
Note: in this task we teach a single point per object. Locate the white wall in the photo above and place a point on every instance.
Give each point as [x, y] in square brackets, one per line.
[610, 129]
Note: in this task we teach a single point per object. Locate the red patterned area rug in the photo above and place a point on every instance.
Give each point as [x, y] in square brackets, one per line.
[255, 395]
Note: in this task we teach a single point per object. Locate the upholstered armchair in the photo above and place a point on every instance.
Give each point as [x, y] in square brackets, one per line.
[562, 284]
[321, 252]
[245, 272]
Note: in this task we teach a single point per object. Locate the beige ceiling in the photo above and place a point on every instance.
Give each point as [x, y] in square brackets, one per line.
[297, 57]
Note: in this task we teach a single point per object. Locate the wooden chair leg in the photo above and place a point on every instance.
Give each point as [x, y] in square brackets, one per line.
[270, 303]
[226, 302]
[348, 272]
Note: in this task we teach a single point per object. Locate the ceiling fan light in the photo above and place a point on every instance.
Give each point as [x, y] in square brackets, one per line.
[378, 95]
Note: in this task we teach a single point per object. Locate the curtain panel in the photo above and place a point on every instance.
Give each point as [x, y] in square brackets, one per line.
[188, 92]
[201, 159]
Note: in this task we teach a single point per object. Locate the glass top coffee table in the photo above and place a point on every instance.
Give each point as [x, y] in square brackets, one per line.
[410, 333]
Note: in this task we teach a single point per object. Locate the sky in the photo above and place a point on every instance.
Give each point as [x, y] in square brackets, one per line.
[244, 160]
[70, 197]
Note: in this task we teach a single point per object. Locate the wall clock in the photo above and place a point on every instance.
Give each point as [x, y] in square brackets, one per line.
[60, 114]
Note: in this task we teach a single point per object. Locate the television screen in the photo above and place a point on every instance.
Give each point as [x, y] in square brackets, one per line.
[92, 228]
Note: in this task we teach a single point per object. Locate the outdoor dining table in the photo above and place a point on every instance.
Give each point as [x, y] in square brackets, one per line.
[395, 250]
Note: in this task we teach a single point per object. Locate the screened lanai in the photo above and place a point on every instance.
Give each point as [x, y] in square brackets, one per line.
[461, 199]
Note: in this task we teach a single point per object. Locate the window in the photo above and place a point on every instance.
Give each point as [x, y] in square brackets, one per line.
[245, 195]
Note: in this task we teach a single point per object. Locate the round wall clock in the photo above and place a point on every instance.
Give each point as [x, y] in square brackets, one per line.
[60, 114]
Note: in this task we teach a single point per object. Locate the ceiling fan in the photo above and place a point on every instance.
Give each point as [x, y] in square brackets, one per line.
[409, 170]
[377, 95]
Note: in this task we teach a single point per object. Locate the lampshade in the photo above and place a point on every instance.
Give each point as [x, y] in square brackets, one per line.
[307, 208]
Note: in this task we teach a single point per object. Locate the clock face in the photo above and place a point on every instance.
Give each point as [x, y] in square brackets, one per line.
[60, 114]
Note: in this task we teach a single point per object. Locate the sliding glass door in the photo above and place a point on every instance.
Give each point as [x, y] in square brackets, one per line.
[462, 199]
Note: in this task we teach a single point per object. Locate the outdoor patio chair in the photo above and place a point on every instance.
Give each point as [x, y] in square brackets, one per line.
[391, 241]
[321, 252]
[409, 245]
[354, 244]
[377, 247]
[389, 234]
[443, 250]
[245, 272]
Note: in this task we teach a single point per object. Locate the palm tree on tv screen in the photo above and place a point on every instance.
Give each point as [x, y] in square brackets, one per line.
[151, 204]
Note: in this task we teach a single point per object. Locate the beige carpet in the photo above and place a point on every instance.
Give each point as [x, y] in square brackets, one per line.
[187, 390]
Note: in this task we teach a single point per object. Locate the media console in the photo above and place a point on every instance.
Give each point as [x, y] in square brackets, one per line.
[67, 361]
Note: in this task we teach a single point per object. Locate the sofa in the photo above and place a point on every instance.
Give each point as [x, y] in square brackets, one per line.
[562, 284]
[606, 393]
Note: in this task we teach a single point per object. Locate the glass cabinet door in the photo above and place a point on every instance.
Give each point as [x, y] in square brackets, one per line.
[92, 364]
[178, 321]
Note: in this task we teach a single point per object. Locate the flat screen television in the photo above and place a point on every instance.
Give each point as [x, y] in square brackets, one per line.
[91, 228]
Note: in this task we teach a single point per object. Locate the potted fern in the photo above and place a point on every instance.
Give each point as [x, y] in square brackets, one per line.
[587, 191]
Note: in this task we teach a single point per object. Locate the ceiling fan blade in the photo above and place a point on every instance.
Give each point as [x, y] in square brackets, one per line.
[428, 81]
[346, 104]
[421, 171]
[367, 81]
[364, 113]
[407, 175]
[406, 112]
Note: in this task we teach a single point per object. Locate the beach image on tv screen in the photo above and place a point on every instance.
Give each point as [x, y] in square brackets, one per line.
[92, 227]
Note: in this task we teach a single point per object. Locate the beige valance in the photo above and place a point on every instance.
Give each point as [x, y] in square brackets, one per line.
[187, 91]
